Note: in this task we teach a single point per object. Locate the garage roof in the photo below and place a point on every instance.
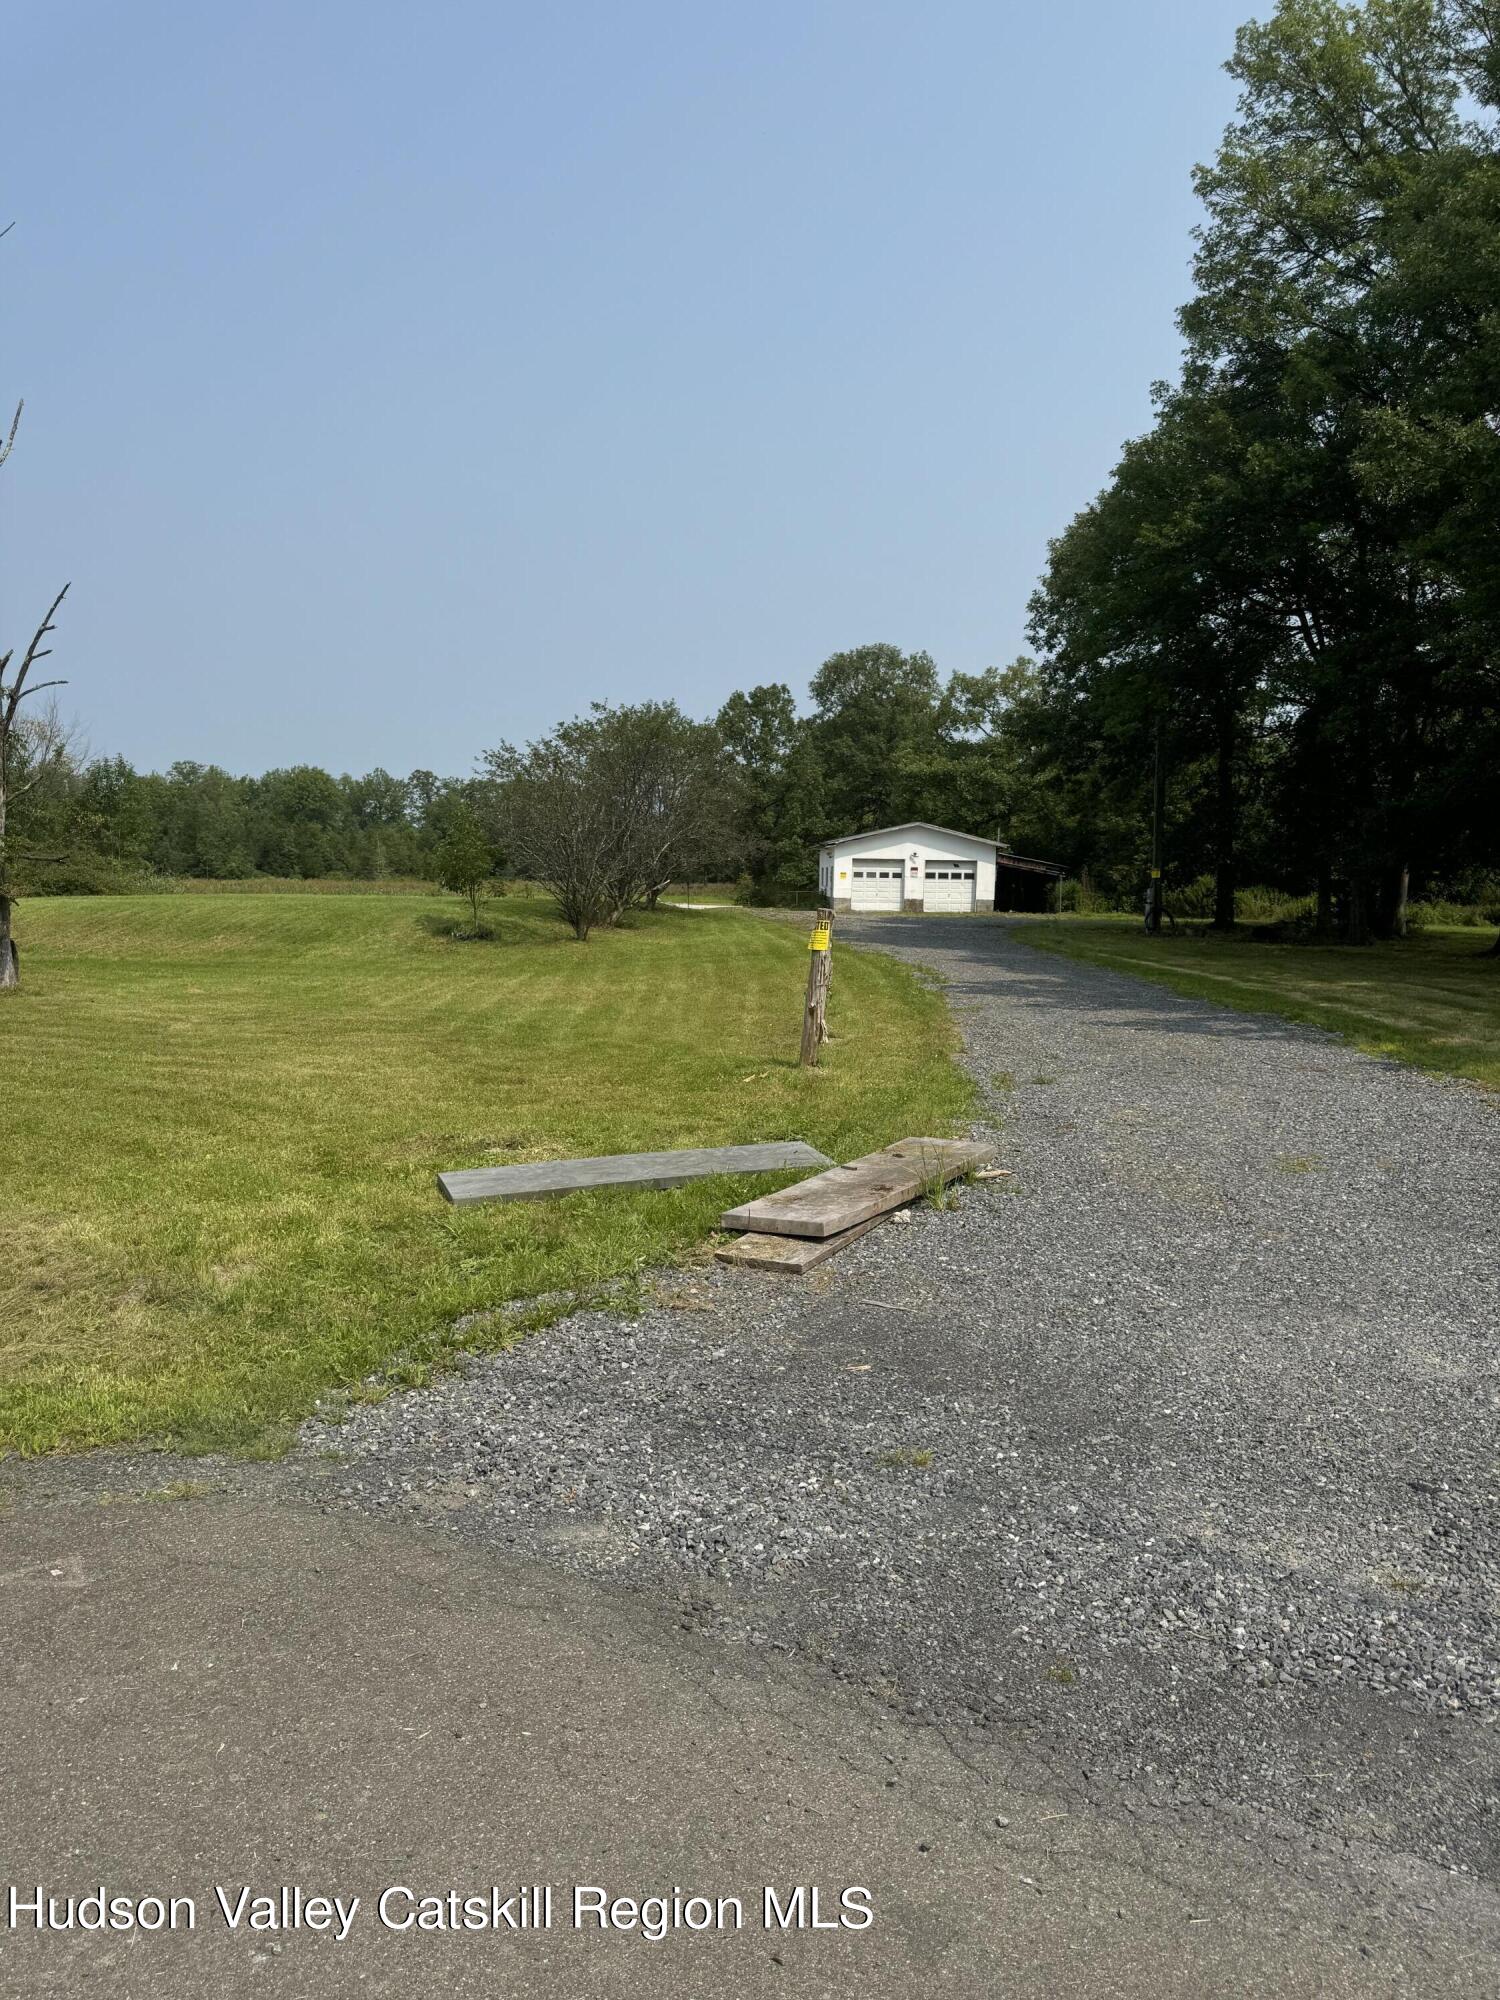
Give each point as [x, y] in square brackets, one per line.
[1030, 864]
[908, 826]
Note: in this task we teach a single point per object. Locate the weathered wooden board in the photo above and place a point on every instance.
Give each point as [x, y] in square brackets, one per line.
[955, 1156]
[790, 1255]
[648, 1170]
[833, 1202]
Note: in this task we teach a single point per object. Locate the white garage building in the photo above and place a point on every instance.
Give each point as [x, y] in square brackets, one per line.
[912, 867]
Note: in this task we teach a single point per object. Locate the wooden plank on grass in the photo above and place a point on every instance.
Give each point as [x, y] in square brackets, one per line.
[645, 1170]
[833, 1202]
[789, 1255]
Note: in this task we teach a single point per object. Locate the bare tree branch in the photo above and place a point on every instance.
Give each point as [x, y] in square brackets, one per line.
[43, 742]
[48, 742]
[34, 652]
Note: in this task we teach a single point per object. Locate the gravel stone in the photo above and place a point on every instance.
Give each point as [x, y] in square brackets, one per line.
[1175, 1453]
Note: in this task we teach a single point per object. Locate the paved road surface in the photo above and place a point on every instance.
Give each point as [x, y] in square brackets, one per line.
[245, 1693]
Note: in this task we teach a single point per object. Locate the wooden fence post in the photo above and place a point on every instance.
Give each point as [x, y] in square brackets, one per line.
[819, 970]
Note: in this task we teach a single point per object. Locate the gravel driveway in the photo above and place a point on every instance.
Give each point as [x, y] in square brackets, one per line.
[1172, 1459]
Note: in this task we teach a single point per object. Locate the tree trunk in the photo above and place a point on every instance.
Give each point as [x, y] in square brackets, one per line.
[10, 958]
[1224, 869]
[1324, 921]
[1357, 908]
[1223, 896]
[1158, 815]
[1403, 897]
[1386, 904]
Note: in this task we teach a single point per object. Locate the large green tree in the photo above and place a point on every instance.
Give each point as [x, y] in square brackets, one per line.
[876, 726]
[1160, 611]
[1292, 570]
[1347, 274]
[782, 807]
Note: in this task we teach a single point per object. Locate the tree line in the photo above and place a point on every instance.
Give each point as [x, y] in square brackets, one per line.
[645, 791]
[108, 823]
[610, 807]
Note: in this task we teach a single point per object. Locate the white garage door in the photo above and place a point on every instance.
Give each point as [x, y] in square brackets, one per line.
[949, 885]
[876, 885]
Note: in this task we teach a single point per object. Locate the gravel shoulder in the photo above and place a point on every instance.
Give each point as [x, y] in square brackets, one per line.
[1166, 1469]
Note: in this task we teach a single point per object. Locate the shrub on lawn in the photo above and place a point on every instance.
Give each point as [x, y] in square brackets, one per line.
[1272, 906]
[1085, 901]
[1439, 912]
[87, 875]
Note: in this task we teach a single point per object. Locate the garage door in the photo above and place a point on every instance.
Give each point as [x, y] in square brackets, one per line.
[876, 885]
[948, 885]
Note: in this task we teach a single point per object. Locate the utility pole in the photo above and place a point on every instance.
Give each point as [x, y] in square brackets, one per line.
[1158, 813]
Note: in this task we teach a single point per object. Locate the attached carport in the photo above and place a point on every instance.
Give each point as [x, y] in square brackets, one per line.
[1022, 882]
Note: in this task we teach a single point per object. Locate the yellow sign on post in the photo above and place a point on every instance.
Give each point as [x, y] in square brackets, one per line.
[820, 951]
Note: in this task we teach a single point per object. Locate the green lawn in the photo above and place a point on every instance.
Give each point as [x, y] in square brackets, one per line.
[222, 1116]
[1431, 1000]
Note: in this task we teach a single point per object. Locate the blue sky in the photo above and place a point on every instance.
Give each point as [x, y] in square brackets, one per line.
[402, 378]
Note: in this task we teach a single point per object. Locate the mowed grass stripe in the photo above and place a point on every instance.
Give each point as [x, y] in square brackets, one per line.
[224, 1117]
[1432, 1000]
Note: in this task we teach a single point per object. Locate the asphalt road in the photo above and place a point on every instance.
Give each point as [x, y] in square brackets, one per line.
[1101, 1573]
[238, 1693]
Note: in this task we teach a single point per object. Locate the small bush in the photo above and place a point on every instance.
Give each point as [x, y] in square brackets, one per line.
[1272, 906]
[1192, 899]
[1084, 901]
[85, 875]
[1255, 904]
[1438, 912]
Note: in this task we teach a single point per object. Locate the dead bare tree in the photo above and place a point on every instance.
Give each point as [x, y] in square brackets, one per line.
[30, 749]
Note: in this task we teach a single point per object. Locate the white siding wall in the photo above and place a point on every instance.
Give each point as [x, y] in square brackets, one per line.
[835, 868]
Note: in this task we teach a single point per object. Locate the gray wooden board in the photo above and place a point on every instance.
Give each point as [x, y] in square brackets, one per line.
[835, 1201]
[648, 1170]
[789, 1255]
